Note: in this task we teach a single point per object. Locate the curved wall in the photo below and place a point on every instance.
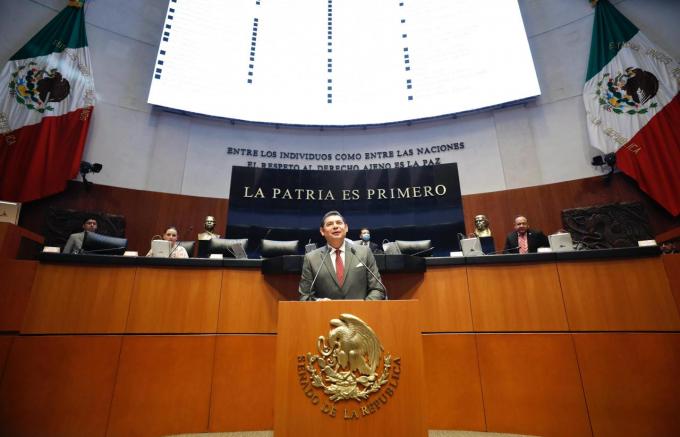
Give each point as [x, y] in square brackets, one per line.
[147, 149]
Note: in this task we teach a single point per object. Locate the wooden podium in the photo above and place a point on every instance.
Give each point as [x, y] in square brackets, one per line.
[324, 350]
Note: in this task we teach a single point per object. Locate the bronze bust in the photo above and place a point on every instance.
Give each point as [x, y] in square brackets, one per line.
[482, 226]
[208, 227]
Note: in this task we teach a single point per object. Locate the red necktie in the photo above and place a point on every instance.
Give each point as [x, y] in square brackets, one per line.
[339, 267]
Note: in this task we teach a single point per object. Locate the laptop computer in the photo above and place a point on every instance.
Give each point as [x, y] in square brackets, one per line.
[238, 251]
[160, 248]
[391, 248]
[471, 247]
[561, 242]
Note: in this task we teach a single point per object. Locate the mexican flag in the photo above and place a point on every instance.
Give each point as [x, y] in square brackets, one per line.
[46, 101]
[632, 105]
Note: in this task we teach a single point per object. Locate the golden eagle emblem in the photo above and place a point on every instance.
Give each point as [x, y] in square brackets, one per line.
[347, 361]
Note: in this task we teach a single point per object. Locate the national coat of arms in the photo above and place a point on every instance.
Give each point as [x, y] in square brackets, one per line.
[346, 366]
[35, 87]
[628, 92]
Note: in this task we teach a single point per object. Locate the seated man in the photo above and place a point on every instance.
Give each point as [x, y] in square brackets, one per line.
[523, 239]
[365, 240]
[339, 270]
[74, 244]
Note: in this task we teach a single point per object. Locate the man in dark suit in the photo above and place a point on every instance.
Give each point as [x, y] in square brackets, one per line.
[341, 268]
[523, 239]
[365, 240]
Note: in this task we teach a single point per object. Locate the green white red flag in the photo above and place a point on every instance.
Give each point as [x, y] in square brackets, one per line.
[46, 100]
[632, 104]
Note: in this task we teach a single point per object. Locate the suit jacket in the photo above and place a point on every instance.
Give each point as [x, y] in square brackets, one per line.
[74, 244]
[535, 239]
[358, 282]
[374, 246]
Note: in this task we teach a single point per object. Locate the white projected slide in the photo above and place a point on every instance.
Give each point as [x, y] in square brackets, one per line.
[341, 62]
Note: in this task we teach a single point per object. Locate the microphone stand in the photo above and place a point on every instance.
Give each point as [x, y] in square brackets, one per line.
[354, 252]
[311, 286]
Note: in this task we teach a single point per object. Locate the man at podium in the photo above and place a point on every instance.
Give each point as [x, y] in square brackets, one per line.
[340, 269]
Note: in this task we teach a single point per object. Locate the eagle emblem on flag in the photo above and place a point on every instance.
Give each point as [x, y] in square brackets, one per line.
[628, 91]
[35, 87]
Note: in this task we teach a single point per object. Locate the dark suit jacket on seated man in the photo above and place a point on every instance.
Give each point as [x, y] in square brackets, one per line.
[354, 280]
[365, 240]
[523, 239]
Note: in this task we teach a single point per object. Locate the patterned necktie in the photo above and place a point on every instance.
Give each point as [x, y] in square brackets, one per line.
[339, 266]
[523, 243]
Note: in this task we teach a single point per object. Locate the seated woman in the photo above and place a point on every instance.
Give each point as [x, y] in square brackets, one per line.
[176, 251]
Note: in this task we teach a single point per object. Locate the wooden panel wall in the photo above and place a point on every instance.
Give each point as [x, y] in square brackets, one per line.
[79, 299]
[672, 264]
[631, 383]
[580, 384]
[163, 386]
[541, 204]
[58, 385]
[177, 300]
[608, 295]
[518, 297]
[618, 295]
[15, 290]
[146, 212]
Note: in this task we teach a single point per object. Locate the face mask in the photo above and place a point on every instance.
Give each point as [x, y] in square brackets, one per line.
[366, 237]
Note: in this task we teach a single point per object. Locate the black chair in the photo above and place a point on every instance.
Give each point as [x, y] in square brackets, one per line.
[272, 248]
[225, 246]
[98, 244]
[188, 246]
[418, 248]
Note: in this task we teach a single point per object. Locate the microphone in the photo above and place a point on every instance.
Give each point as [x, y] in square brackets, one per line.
[460, 237]
[86, 252]
[495, 252]
[323, 258]
[354, 252]
[421, 251]
[309, 246]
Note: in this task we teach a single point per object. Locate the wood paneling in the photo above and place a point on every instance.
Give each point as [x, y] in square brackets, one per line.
[5, 344]
[11, 237]
[671, 263]
[631, 383]
[543, 204]
[163, 386]
[58, 386]
[453, 387]
[397, 327]
[79, 299]
[242, 396]
[146, 212]
[249, 301]
[516, 297]
[618, 295]
[175, 300]
[15, 290]
[444, 300]
[531, 385]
